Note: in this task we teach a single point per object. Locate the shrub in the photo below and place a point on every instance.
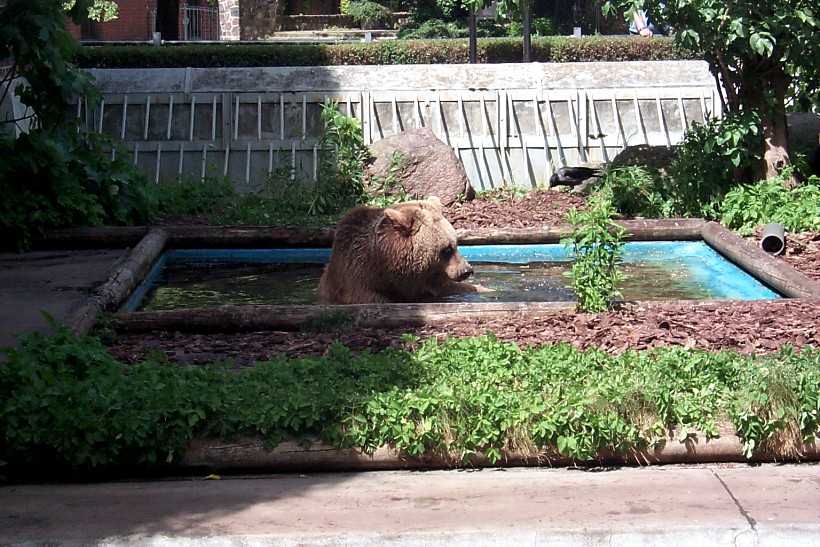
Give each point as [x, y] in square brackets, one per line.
[432, 28]
[706, 163]
[368, 14]
[490, 50]
[53, 179]
[596, 245]
[65, 401]
[748, 206]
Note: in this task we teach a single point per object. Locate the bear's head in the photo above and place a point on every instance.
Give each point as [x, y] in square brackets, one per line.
[419, 244]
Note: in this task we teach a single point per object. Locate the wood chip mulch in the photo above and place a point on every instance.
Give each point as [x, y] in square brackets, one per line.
[747, 327]
[803, 253]
[537, 208]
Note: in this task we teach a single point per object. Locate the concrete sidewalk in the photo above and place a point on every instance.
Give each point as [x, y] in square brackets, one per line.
[708, 505]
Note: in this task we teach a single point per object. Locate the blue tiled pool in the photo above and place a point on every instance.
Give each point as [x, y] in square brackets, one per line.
[655, 270]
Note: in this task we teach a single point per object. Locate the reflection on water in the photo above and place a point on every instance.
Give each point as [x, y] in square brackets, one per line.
[201, 285]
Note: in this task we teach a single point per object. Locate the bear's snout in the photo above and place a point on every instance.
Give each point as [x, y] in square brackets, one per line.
[463, 270]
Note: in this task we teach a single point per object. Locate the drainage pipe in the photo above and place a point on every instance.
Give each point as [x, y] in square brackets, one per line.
[773, 239]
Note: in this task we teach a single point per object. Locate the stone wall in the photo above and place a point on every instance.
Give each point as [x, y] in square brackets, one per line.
[229, 21]
[259, 19]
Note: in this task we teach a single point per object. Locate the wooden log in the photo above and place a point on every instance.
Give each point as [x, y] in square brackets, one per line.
[772, 271]
[247, 237]
[216, 237]
[101, 237]
[250, 454]
[122, 282]
[637, 230]
[291, 318]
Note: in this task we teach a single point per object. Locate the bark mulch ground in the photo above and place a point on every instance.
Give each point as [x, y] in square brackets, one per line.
[497, 210]
[747, 327]
[803, 253]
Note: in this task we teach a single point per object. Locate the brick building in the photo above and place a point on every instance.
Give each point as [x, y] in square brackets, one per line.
[173, 19]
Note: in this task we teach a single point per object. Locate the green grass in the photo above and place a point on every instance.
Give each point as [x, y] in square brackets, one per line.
[66, 401]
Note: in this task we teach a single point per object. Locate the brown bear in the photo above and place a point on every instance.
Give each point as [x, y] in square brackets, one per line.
[405, 253]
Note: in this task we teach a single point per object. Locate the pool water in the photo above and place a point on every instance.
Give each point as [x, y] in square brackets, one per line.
[665, 270]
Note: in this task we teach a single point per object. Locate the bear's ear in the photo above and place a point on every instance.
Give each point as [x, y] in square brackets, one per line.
[435, 201]
[402, 221]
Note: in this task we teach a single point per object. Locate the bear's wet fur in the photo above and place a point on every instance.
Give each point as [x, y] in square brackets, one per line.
[404, 253]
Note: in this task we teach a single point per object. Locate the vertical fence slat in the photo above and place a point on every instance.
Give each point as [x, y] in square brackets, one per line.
[147, 118]
[599, 131]
[159, 159]
[213, 120]
[395, 116]
[315, 162]
[639, 118]
[236, 120]
[684, 123]
[282, 116]
[616, 119]
[304, 117]
[170, 117]
[248, 164]
[417, 111]
[204, 159]
[225, 162]
[270, 158]
[662, 120]
[181, 158]
[259, 117]
[703, 114]
[541, 130]
[124, 121]
[554, 128]
[102, 114]
[293, 160]
[192, 117]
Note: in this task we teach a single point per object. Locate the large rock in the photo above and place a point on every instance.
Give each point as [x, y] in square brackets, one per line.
[426, 166]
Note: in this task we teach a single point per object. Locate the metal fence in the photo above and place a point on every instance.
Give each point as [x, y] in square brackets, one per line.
[199, 23]
[246, 123]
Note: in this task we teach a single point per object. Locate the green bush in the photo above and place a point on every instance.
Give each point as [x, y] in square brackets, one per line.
[368, 14]
[490, 50]
[596, 242]
[65, 401]
[750, 205]
[708, 161]
[59, 178]
[432, 28]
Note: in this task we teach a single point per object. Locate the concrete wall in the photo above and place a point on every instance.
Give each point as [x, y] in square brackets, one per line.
[510, 124]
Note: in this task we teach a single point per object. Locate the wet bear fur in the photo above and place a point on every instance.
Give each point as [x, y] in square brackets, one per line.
[404, 253]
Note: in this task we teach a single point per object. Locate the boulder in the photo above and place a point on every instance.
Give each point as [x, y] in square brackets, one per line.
[653, 157]
[424, 166]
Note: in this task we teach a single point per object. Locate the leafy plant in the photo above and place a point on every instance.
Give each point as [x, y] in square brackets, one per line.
[54, 175]
[748, 206]
[64, 401]
[706, 162]
[596, 242]
[637, 191]
[368, 14]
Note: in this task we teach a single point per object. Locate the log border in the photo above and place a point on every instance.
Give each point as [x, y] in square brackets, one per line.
[248, 454]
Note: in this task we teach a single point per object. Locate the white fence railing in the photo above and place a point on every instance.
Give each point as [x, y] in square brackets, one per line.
[509, 124]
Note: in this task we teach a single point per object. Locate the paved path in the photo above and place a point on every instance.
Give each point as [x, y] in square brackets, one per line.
[710, 505]
[57, 282]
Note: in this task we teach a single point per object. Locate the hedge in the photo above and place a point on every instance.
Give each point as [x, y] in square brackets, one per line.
[558, 49]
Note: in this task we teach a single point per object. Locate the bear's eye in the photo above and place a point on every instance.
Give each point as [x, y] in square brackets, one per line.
[447, 252]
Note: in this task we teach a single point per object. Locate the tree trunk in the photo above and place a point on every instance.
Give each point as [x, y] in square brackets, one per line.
[775, 133]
